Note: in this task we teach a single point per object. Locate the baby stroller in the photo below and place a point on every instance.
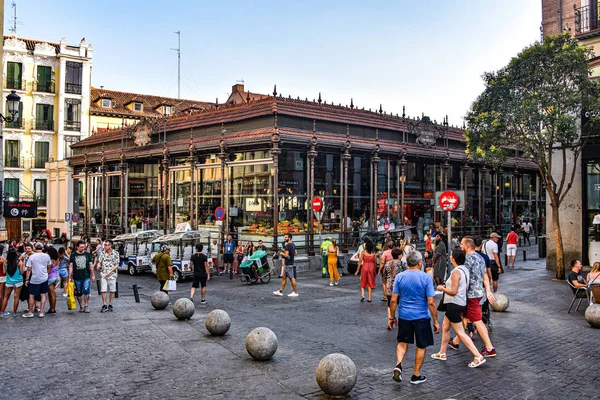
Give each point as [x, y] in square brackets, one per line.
[256, 268]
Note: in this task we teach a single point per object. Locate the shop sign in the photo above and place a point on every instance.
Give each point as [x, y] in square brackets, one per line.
[137, 186]
[15, 209]
[254, 204]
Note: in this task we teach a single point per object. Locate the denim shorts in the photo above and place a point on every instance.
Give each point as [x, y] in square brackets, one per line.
[82, 287]
[289, 272]
[53, 281]
[63, 273]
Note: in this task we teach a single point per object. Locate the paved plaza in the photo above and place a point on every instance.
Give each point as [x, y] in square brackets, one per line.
[139, 353]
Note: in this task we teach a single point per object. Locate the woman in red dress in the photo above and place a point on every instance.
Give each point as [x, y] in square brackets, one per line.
[367, 261]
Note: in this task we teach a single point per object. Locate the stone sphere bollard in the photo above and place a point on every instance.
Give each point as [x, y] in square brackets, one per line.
[501, 303]
[261, 344]
[184, 309]
[592, 315]
[160, 300]
[217, 322]
[336, 374]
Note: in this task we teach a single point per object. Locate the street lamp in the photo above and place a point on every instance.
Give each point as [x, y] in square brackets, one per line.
[12, 100]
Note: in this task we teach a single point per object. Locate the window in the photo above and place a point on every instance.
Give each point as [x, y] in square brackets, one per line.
[69, 140]
[44, 117]
[44, 79]
[11, 187]
[138, 106]
[168, 110]
[17, 123]
[42, 152]
[106, 103]
[14, 76]
[73, 77]
[39, 185]
[72, 115]
[11, 153]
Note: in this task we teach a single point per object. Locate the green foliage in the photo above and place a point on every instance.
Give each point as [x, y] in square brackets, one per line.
[533, 104]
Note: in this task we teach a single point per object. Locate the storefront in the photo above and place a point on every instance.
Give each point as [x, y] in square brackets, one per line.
[264, 167]
[591, 201]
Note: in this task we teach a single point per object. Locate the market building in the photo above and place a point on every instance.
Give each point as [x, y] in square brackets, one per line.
[263, 160]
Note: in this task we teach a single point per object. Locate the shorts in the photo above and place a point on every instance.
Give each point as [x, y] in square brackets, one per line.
[419, 329]
[199, 281]
[82, 287]
[454, 312]
[53, 282]
[36, 289]
[473, 310]
[511, 250]
[495, 274]
[63, 273]
[228, 258]
[14, 285]
[215, 262]
[108, 285]
[288, 272]
[3, 279]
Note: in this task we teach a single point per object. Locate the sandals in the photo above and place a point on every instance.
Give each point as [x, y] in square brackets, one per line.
[362, 299]
[369, 300]
[383, 299]
[440, 356]
[477, 362]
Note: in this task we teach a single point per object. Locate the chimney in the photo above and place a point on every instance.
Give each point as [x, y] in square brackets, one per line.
[238, 87]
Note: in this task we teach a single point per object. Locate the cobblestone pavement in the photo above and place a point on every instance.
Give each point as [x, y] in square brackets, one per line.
[139, 353]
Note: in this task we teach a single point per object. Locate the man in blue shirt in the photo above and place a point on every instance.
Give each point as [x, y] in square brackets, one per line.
[414, 290]
[228, 250]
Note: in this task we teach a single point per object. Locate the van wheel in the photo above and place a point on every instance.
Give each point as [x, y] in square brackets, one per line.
[176, 275]
[131, 269]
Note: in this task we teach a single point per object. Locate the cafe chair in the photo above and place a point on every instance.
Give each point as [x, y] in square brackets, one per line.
[578, 294]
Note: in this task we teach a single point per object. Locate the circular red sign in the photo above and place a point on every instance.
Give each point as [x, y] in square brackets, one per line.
[449, 200]
[220, 213]
[386, 226]
[317, 204]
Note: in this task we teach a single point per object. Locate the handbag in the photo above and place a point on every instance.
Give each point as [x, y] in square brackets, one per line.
[71, 304]
[442, 306]
[172, 285]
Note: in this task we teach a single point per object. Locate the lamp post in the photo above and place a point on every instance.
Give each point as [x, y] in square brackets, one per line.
[12, 101]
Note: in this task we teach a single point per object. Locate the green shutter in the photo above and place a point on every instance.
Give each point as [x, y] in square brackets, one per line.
[42, 153]
[44, 77]
[40, 191]
[11, 187]
[44, 116]
[14, 71]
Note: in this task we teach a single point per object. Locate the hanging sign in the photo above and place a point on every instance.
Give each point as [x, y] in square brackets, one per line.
[24, 209]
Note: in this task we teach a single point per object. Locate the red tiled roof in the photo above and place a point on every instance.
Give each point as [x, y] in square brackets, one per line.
[150, 107]
[30, 43]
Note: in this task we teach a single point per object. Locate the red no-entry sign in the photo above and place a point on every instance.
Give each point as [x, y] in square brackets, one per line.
[317, 204]
[220, 213]
[449, 200]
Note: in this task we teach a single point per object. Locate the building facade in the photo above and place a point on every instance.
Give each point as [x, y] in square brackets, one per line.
[264, 160]
[53, 81]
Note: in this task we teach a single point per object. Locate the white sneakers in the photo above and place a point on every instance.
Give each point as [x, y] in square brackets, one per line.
[278, 293]
[293, 294]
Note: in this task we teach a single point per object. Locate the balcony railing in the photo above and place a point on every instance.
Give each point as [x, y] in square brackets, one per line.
[18, 123]
[40, 162]
[13, 162]
[16, 84]
[72, 88]
[40, 125]
[73, 126]
[586, 18]
[43, 87]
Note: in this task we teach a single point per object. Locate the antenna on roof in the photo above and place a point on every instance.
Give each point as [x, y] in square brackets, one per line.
[178, 50]
[13, 30]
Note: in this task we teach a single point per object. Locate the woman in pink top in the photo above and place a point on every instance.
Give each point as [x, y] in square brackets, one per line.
[385, 257]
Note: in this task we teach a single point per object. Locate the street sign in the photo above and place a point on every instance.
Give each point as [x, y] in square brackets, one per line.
[75, 218]
[67, 217]
[317, 204]
[386, 226]
[318, 215]
[460, 204]
[219, 213]
[449, 200]
[24, 209]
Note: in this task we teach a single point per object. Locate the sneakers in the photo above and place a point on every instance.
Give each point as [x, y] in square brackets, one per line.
[110, 308]
[416, 380]
[28, 315]
[293, 294]
[5, 314]
[330, 283]
[452, 345]
[41, 315]
[488, 353]
[86, 309]
[104, 309]
[51, 312]
[398, 373]
[335, 283]
[202, 301]
[65, 295]
[278, 293]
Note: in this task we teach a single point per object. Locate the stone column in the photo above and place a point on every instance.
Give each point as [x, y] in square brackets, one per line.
[103, 194]
[482, 172]
[192, 185]
[375, 161]
[122, 211]
[402, 177]
[312, 154]
[223, 157]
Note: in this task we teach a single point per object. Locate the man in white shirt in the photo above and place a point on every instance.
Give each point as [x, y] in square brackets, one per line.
[527, 230]
[490, 248]
[38, 265]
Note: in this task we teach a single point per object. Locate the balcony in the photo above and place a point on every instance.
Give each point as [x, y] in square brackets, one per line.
[73, 126]
[18, 123]
[13, 162]
[40, 125]
[40, 162]
[15, 84]
[43, 87]
[73, 88]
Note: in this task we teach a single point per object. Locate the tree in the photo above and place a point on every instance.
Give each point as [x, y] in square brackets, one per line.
[532, 108]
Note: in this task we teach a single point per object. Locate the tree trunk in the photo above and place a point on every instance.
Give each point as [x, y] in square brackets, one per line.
[560, 256]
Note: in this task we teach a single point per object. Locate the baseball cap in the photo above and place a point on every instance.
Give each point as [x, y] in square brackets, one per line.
[495, 235]
[164, 247]
[39, 246]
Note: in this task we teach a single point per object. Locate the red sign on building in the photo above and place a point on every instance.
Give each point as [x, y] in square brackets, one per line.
[449, 200]
[317, 204]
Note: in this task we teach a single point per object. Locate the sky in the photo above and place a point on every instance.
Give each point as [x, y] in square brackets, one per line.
[425, 55]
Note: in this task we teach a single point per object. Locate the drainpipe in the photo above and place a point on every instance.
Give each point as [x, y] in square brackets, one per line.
[560, 25]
